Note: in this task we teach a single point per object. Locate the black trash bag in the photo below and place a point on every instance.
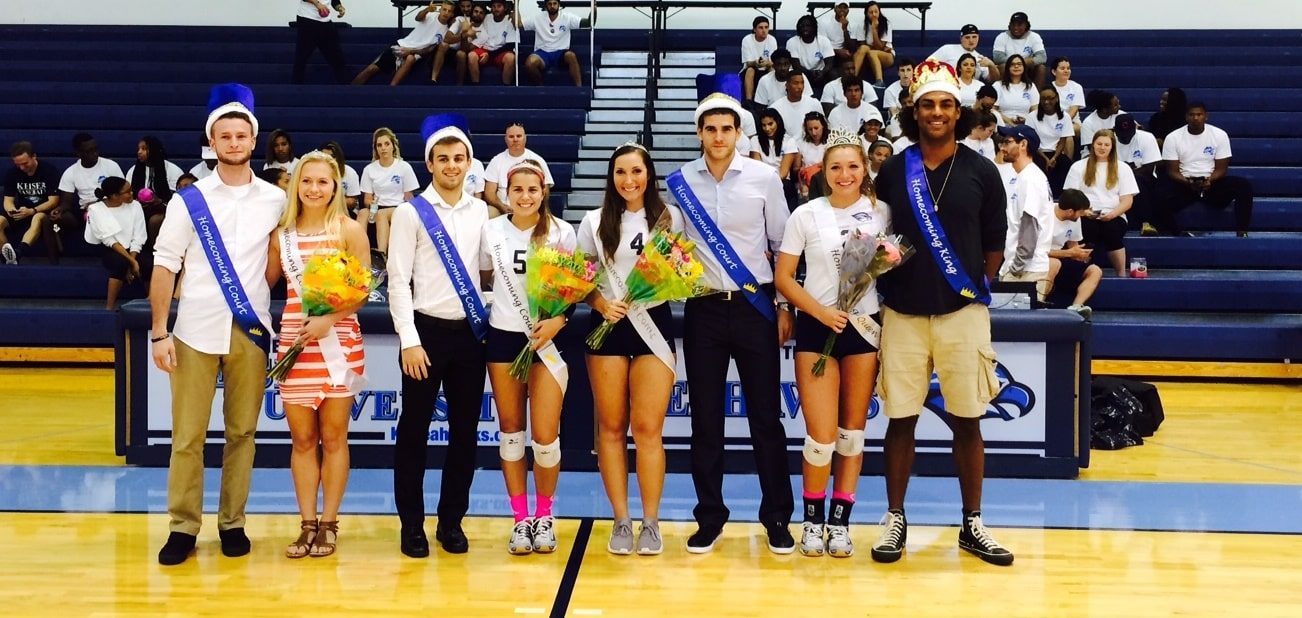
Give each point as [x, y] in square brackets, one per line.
[1114, 412]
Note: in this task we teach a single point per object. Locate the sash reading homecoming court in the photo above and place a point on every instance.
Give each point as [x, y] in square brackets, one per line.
[476, 314]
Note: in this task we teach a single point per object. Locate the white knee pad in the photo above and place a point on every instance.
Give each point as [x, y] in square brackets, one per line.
[817, 453]
[511, 447]
[547, 455]
[849, 442]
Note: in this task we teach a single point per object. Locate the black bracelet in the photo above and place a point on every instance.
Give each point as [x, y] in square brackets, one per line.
[157, 339]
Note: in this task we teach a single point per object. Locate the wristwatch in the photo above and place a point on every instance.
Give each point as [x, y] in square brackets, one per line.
[786, 306]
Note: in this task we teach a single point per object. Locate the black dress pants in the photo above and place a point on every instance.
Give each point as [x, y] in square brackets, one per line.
[1174, 197]
[314, 35]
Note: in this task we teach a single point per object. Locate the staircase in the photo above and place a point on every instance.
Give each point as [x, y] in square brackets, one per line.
[618, 109]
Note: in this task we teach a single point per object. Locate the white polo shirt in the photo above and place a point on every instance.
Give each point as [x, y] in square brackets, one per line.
[553, 35]
[1197, 154]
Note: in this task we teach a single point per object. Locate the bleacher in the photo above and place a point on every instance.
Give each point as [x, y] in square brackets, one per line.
[1214, 297]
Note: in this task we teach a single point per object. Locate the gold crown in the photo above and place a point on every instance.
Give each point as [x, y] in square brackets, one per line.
[841, 137]
[932, 70]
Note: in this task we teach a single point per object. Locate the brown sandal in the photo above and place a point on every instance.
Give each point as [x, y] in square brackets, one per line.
[328, 535]
[302, 546]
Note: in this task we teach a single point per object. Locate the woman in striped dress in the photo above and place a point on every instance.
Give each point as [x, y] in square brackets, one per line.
[318, 392]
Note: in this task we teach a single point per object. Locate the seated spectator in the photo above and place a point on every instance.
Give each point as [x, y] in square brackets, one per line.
[471, 26]
[78, 186]
[1057, 139]
[1030, 210]
[1111, 189]
[207, 160]
[850, 115]
[773, 86]
[891, 96]
[387, 181]
[1017, 96]
[1139, 150]
[1197, 160]
[1020, 40]
[902, 143]
[968, 84]
[280, 151]
[834, 91]
[437, 28]
[871, 132]
[275, 176]
[836, 27]
[1074, 279]
[812, 51]
[875, 48]
[795, 106]
[1106, 107]
[117, 226]
[1070, 94]
[773, 145]
[352, 184]
[185, 180]
[154, 172]
[516, 152]
[756, 55]
[878, 153]
[809, 149]
[969, 38]
[494, 43]
[552, 29]
[1171, 109]
[31, 194]
[985, 102]
[981, 127]
[894, 121]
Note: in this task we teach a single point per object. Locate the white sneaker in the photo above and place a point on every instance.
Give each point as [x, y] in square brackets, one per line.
[11, 256]
[811, 540]
[521, 542]
[839, 544]
[544, 535]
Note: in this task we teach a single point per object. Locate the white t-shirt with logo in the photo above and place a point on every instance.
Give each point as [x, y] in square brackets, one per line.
[811, 56]
[352, 183]
[1197, 154]
[634, 234]
[1069, 96]
[388, 184]
[1051, 129]
[1093, 124]
[834, 93]
[429, 32]
[1027, 46]
[753, 51]
[475, 178]
[1016, 100]
[1065, 232]
[1102, 199]
[1141, 150]
[499, 165]
[802, 237]
[831, 29]
[768, 89]
[494, 35]
[985, 147]
[1028, 193]
[891, 96]
[85, 180]
[552, 36]
[967, 93]
[793, 114]
[846, 119]
[771, 156]
[810, 153]
[949, 54]
[516, 242]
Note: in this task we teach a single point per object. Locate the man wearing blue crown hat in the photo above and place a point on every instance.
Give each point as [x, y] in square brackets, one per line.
[218, 229]
[949, 203]
[736, 214]
[441, 321]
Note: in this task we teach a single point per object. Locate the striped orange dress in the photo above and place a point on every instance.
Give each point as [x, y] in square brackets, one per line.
[308, 382]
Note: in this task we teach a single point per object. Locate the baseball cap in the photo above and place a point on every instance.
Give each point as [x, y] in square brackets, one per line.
[1022, 132]
[969, 29]
[1019, 17]
[1124, 122]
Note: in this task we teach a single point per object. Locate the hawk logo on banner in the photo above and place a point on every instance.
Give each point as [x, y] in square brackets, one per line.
[1013, 401]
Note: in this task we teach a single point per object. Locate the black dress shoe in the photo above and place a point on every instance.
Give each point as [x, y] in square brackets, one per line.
[179, 546]
[234, 542]
[452, 539]
[414, 543]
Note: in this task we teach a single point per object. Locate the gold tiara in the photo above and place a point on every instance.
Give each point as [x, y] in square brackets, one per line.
[841, 137]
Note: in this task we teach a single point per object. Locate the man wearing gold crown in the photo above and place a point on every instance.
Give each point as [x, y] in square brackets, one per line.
[948, 202]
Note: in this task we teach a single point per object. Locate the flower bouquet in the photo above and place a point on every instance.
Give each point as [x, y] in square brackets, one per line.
[332, 281]
[666, 270]
[555, 280]
[864, 258]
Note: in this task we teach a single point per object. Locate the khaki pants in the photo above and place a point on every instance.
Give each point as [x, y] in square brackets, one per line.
[1039, 278]
[194, 383]
[956, 346]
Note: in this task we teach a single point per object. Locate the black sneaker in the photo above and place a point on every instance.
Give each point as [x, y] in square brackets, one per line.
[234, 542]
[414, 543]
[702, 541]
[895, 533]
[974, 538]
[452, 539]
[780, 540]
[179, 546]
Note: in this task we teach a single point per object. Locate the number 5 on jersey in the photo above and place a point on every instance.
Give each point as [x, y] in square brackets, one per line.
[518, 260]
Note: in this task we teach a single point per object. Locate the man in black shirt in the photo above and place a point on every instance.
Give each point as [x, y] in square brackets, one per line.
[949, 202]
[31, 191]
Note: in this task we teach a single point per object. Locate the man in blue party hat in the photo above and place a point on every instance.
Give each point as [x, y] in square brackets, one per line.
[218, 229]
[441, 322]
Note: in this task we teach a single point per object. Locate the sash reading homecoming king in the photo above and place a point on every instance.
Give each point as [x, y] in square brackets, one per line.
[924, 211]
[223, 269]
[719, 246]
[456, 269]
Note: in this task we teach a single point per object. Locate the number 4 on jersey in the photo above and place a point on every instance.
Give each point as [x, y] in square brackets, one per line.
[637, 243]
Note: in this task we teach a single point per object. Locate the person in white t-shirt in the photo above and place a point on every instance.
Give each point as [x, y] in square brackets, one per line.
[552, 29]
[894, 119]
[810, 148]
[471, 16]
[77, 188]
[773, 146]
[1057, 138]
[1030, 210]
[436, 30]
[280, 151]
[1074, 278]
[968, 84]
[812, 51]
[1020, 40]
[1070, 94]
[494, 43]
[1017, 95]
[350, 182]
[1106, 108]
[985, 102]
[851, 115]
[756, 55]
[1197, 160]
[968, 39]
[317, 29]
[982, 125]
[891, 97]
[837, 28]
[1111, 189]
[796, 105]
[386, 182]
[498, 166]
[834, 91]
[1139, 149]
[878, 152]
[873, 37]
[116, 224]
[772, 86]
[871, 132]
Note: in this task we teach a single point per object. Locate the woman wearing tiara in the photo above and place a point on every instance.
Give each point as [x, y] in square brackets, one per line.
[836, 403]
[507, 241]
[632, 374]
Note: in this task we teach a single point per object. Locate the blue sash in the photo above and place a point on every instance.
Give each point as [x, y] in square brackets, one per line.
[456, 269]
[222, 269]
[924, 211]
[719, 246]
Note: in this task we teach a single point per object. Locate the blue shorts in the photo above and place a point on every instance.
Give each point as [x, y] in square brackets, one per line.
[549, 58]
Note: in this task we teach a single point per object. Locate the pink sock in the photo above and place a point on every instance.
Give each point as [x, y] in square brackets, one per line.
[544, 506]
[520, 507]
[809, 495]
[841, 495]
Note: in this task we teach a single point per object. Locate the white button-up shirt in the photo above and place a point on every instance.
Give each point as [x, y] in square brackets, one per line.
[748, 208]
[418, 280]
[245, 217]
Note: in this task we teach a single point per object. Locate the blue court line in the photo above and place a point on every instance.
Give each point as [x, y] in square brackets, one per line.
[1022, 503]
